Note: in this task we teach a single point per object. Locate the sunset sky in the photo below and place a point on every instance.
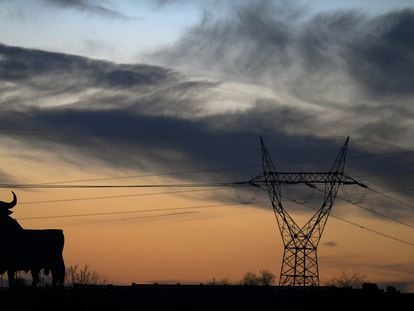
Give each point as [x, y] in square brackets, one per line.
[172, 92]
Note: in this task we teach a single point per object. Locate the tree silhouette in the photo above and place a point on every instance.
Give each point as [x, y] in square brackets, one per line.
[250, 279]
[264, 278]
[83, 276]
[347, 280]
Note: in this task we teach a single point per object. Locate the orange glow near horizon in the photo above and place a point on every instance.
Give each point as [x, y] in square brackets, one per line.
[195, 244]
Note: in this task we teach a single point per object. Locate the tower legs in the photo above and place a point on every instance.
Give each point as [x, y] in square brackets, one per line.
[299, 267]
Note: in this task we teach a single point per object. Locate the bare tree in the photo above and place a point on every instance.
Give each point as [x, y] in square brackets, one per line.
[250, 278]
[347, 280]
[83, 276]
[264, 278]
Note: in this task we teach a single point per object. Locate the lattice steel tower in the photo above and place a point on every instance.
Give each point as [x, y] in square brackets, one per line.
[300, 259]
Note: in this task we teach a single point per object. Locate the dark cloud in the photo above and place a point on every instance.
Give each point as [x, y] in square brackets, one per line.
[28, 65]
[340, 56]
[382, 57]
[330, 244]
[88, 6]
[152, 119]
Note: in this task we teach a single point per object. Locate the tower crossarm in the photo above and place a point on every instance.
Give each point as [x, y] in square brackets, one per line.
[303, 178]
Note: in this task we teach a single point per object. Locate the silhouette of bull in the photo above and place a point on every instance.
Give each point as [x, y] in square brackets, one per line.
[34, 250]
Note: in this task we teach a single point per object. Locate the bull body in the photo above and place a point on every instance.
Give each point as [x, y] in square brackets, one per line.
[34, 250]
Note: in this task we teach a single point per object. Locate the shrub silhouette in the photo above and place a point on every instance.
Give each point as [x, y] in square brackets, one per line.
[347, 280]
[264, 278]
[83, 276]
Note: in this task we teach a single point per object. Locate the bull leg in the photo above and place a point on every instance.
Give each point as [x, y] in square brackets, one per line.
[55, 275]
[58, 272]
[35, 276]
[10, 275]
[61, 268]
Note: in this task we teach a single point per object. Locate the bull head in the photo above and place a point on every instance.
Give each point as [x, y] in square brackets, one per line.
[6, 206]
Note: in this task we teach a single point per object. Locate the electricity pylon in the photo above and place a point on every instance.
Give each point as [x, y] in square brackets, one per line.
[300, 259]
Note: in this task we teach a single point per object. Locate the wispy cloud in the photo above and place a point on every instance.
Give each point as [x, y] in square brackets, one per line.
[343, 66]
[151, 118]
[88, 6]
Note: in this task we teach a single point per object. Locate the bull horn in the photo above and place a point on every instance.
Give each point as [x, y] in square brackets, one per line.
[9, 205]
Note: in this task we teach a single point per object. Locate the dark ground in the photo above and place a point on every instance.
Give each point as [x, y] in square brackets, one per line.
[201, 297]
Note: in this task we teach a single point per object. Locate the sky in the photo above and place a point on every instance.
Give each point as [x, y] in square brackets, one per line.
[166, 92]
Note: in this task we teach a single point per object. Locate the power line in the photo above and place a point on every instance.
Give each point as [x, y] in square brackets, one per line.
[391, 198]
[196, 190]
[211, 185]
[188, 185]
[364, 227]
[389, 191]
[206, 206]
[191, 172]
[367, 209]
[374, 231]
[107, 213]
[378, 213]
[184, 172]
[386, 174]
[116, 196]
[62, 184]
[152, 216]
[136, 211]
[137, 217]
